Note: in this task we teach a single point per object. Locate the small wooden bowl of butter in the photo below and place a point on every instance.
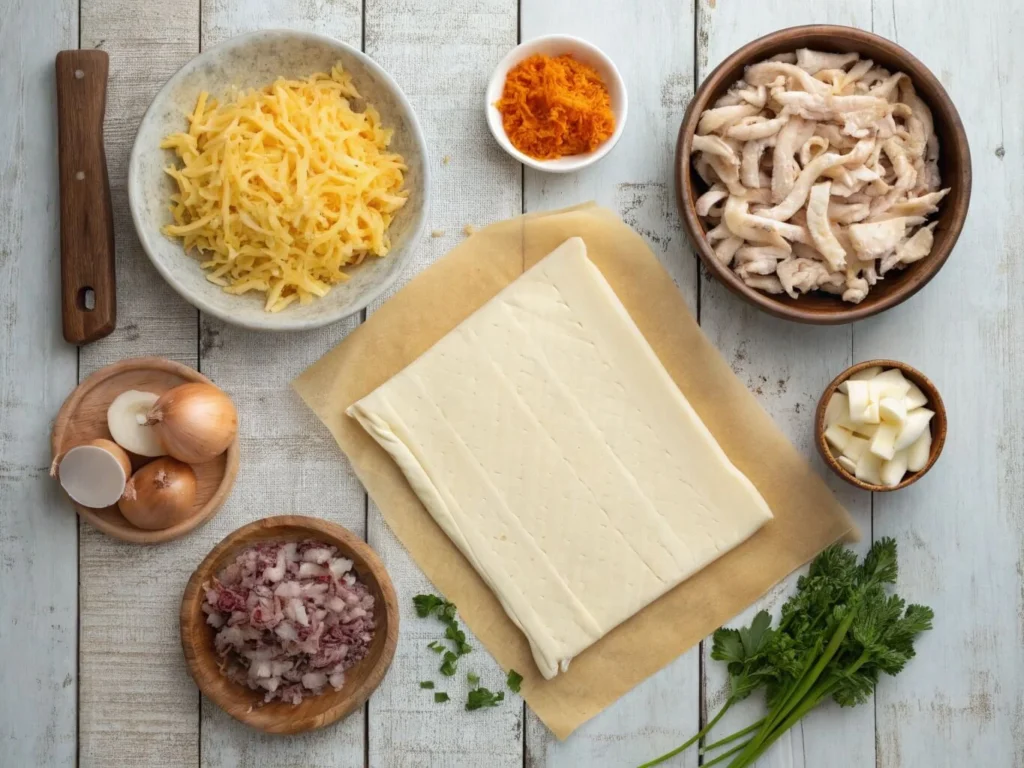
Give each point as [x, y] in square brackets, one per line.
[880, 425]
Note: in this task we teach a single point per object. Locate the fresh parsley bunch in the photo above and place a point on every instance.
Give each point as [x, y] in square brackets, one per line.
[836, 636]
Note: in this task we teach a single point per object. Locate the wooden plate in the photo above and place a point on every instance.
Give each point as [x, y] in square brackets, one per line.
[245, 704]
[83, 417]
[938, 423]
[954, 166]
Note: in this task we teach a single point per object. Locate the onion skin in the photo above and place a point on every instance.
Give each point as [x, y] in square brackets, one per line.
[160, 495]
[196, 422]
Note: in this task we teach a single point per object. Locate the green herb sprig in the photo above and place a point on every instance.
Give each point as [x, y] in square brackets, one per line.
[481, 697]
[432, 605]
[836, 636]
[514, 680]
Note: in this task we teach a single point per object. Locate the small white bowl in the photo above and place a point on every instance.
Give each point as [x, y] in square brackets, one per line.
[254, 60]
[556, 45]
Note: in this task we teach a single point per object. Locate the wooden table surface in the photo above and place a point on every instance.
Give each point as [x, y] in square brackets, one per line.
[90, 666]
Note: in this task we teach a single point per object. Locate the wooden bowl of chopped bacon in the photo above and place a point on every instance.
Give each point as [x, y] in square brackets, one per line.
[289, 624]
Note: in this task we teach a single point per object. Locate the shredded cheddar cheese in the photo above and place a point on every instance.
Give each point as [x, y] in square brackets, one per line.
[281, 188]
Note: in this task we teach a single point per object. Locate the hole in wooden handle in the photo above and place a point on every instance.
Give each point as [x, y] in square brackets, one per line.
[87, 299]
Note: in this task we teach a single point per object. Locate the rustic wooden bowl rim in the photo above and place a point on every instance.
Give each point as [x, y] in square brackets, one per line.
[951, 216]
[127, 531]
[231, 696]
[938, 426]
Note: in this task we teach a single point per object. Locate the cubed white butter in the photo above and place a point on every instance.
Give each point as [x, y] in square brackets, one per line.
[879, 389]
[838, 437]
[869, 468]
[866, 374]
[894, 469]
[871, 413]
[858, 395]
[915, 397]
[855, 448]
[848, 465]
[892, 376]
[837, 410]
[915, 426]
[865, 430]
[882, 444]
[892, 410]
[919, 451]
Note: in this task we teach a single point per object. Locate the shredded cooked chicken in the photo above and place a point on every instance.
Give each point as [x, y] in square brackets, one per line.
[821, 171]
[290, 619]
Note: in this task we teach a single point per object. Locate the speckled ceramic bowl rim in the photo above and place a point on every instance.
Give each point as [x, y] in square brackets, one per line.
[281, 321]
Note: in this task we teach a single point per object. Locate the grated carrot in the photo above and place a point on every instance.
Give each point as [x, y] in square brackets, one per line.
[555, 106]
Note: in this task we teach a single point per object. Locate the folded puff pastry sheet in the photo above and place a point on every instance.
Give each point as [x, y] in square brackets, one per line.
[547, 440]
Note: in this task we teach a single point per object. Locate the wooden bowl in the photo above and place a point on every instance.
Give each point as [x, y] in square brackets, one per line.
[83, 417]
[954, 164]
[938, 423]
[245, 704]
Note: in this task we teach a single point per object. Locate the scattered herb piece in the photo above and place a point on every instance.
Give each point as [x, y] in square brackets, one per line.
[457, 636]
[514, 680]
[440, 696]
[836, 636]
[427, 684]
[481, 697]
[473, 679]
[449, 663]
[428, 604]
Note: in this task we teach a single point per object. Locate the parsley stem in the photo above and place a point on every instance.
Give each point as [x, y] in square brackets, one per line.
[699, 735]
[730, 753]
[737, 735]
[809, 703]
[784, 709]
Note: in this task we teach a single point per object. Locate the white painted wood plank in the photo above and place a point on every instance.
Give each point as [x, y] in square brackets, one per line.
[290, 463]
[441, 54]
[961, 529]
[38, 531]
[222, 19]
[787, 366]
[137, 704]
[637, 180]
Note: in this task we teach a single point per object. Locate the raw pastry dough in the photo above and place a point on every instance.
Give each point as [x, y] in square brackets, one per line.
[547, 440]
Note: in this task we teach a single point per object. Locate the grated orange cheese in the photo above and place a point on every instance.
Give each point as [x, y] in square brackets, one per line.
[281, 188]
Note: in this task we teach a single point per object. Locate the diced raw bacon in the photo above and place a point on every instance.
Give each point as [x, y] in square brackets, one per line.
[291, 618]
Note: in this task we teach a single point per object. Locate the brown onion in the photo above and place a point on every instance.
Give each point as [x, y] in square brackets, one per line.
[196, 422]
[160, 495]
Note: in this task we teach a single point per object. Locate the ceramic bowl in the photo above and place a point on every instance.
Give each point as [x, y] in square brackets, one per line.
[954, 165]
[938, 424]
[555, 45]
[254, 60]
[245, 704]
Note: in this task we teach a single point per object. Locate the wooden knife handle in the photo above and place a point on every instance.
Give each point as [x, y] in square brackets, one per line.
[86, 215]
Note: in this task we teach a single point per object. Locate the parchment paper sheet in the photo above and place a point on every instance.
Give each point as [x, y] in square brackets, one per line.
[807, 516]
